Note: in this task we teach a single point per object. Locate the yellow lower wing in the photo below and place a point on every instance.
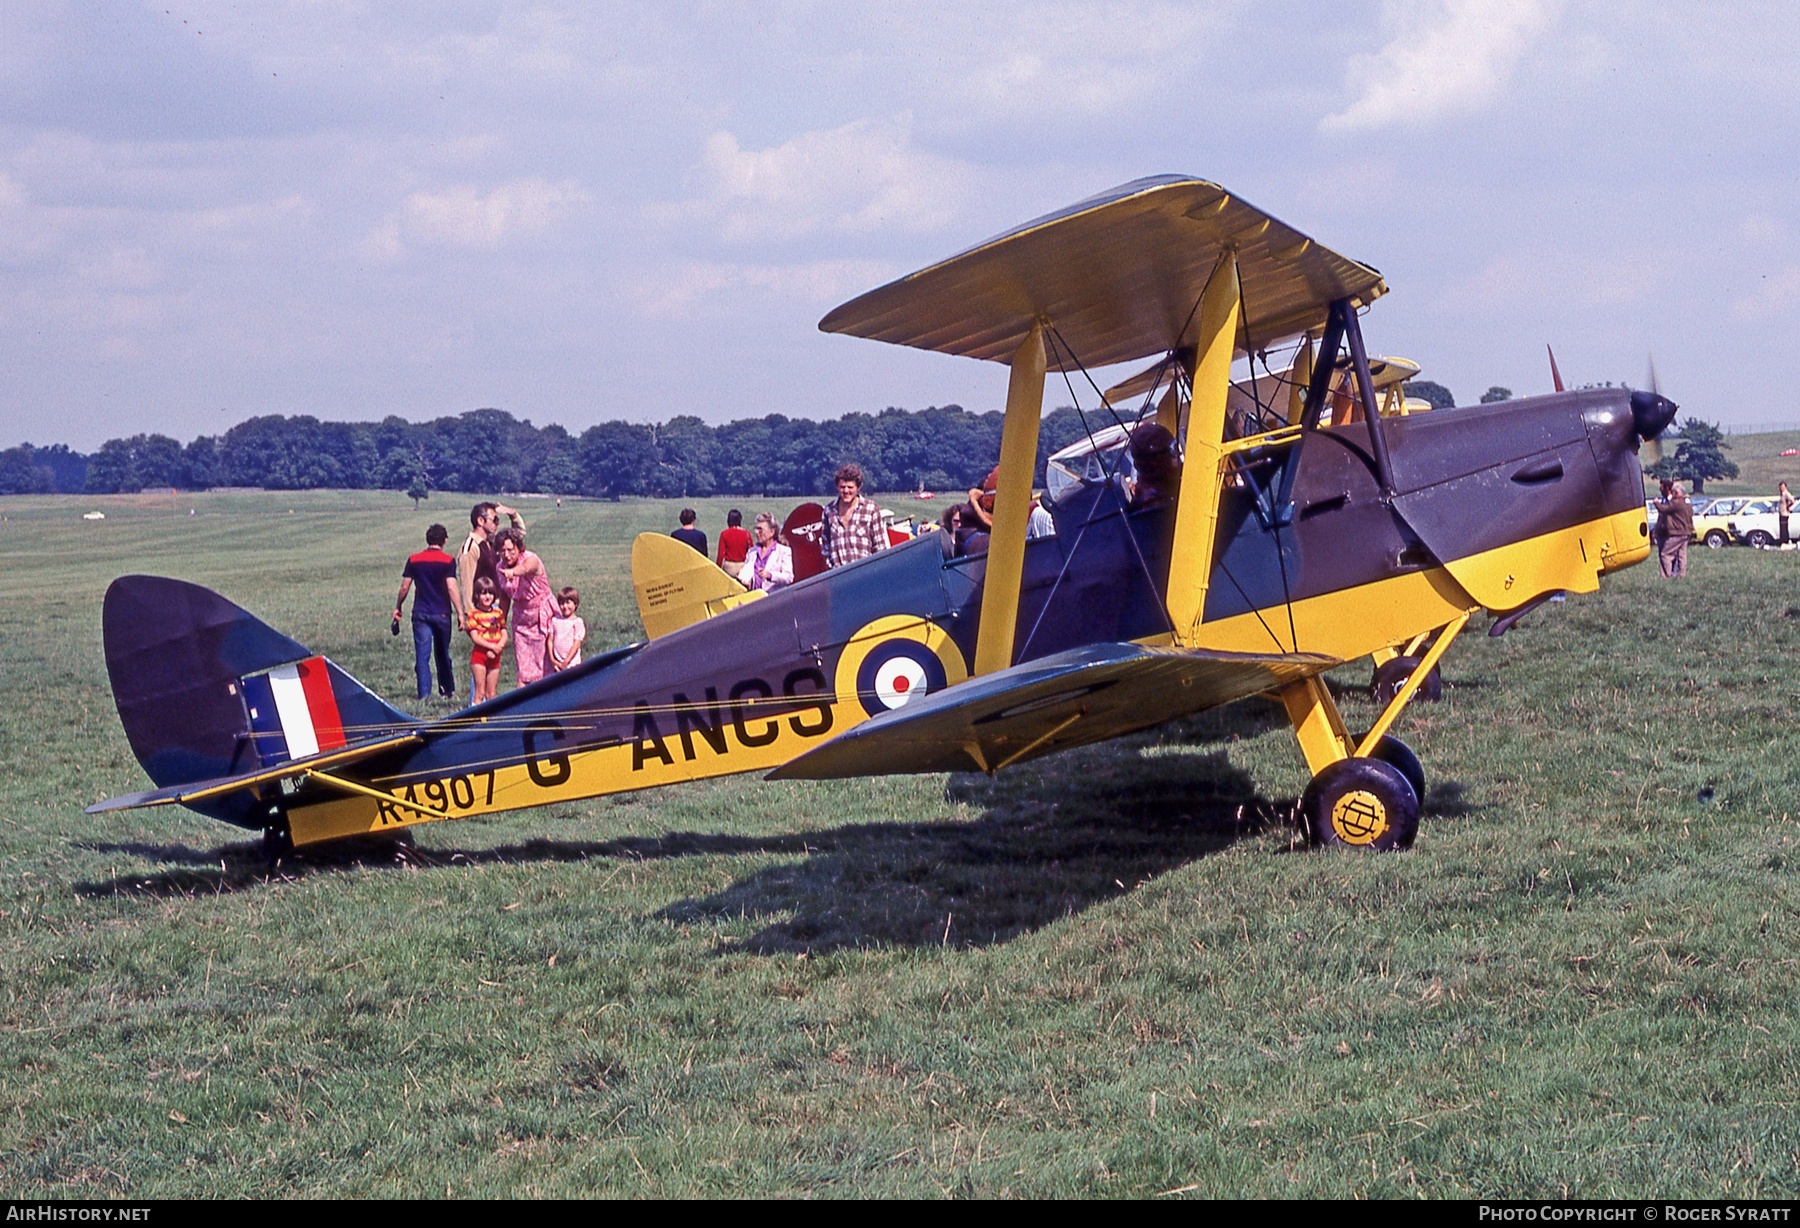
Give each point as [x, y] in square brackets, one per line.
[678, 586]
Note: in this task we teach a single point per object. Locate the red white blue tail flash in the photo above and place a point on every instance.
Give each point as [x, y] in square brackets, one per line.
[293, 711]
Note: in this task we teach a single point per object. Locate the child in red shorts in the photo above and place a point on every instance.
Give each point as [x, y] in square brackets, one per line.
[486, 625]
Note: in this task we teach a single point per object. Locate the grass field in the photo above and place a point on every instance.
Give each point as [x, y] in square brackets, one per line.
[1110, 973]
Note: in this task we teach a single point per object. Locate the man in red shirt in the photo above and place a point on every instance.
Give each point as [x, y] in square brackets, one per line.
[435, 574]
[734, 543]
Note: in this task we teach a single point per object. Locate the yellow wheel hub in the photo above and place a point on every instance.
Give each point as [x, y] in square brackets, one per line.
[1359, 817]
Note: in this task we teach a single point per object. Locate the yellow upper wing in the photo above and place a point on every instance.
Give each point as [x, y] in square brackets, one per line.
[1118, 276]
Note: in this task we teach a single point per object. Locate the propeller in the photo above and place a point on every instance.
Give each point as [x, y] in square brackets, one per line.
[1555, 375]
[1651, 412]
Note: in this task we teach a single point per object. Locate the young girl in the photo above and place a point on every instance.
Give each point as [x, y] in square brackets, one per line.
[486, 625]
[567, 631]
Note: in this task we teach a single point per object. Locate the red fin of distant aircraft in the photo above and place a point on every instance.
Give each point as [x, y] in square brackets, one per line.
[804, 533]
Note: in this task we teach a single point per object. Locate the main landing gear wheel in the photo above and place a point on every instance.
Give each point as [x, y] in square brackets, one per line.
[1361, 804]
[1391, 677]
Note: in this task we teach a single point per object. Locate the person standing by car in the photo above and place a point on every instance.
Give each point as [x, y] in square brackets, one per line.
[1675, 515]
[1784, 508]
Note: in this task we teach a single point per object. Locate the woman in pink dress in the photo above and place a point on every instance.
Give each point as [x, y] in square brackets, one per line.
[533, 606]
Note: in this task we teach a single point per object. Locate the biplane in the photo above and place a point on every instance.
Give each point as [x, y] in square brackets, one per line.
[1299, 535]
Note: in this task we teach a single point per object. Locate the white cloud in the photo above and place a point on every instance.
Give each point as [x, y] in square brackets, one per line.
[1762, 229]
[1064, 59]
[1448, 56]
[681, 292]
[864, 176]
[463, 216]
[1776, 295]
[1539, 275]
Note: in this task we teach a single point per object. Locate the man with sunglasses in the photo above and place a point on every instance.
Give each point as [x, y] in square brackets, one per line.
[478, 556]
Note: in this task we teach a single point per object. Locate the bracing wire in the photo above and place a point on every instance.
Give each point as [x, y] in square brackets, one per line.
[1287, 593]
[1061, 343]
[1075, 404]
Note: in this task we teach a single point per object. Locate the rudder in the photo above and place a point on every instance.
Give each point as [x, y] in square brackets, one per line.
[204, 689]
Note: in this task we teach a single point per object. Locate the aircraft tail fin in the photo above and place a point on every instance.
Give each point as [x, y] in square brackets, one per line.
[677, 586]
[206, 690]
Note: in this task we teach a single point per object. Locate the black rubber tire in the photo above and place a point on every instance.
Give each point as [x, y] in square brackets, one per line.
[1391, 677]
[277, 844]
[1360, 804]
[1393, 751]
[1717, 538]
[1758, 539]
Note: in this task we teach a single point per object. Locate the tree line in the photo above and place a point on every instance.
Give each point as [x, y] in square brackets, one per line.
[489, 450]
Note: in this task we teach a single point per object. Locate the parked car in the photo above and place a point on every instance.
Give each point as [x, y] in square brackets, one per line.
[1756, 523]
[1713, 526]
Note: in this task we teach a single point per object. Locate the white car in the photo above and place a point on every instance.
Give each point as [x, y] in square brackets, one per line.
[1756, 523]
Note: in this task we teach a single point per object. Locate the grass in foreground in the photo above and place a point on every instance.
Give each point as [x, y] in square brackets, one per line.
[1107, 973]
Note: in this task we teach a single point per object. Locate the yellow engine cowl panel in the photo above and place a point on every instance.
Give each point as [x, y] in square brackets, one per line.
[1571, 559]
[1356, 622]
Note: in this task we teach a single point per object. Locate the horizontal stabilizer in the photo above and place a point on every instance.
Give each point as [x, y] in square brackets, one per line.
[1070, 699]
[223, 786]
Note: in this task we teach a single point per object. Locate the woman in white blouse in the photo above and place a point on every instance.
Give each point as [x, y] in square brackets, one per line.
[770, 564]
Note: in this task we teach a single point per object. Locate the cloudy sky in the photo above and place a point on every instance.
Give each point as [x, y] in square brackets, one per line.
[591, 211]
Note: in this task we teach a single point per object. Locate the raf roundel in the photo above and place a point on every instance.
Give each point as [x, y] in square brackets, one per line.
[893, 662]
[897, 673]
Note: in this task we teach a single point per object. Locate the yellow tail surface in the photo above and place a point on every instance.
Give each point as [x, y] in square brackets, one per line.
[677, 586]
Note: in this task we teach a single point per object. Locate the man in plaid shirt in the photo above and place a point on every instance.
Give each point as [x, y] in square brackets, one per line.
[852, 524]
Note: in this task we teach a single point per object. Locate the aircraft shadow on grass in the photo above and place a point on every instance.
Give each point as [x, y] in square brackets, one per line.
[1053, 838]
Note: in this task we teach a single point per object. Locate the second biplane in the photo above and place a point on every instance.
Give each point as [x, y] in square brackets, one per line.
[1305, 534]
